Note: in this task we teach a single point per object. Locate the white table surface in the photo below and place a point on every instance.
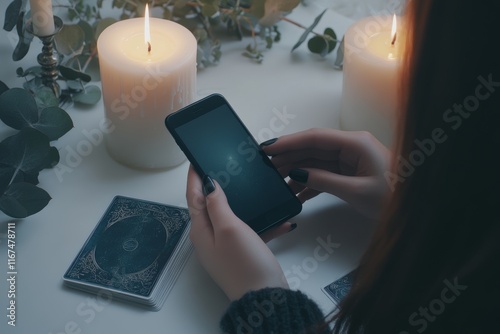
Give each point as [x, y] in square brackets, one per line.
[299, 83]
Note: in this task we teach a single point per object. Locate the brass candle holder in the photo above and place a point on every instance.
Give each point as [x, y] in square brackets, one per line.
[48, 58]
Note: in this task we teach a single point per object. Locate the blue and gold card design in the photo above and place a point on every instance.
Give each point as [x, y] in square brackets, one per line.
[338, 289]
[133, 251]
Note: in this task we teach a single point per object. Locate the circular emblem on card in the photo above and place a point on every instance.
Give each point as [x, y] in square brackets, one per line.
[130, 245]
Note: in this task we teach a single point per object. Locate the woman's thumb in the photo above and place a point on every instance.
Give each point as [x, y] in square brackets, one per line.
[217, 206]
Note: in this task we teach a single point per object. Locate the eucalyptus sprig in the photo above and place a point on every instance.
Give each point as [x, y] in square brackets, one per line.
[38, 121]
[256, 19]
[37, 114]
[75, 45]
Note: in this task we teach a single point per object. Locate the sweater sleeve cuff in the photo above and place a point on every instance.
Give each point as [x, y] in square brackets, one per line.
[272, 310]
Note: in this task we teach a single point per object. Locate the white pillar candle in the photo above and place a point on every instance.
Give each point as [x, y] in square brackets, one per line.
[140, 88]
[372, 63]
[42, 17]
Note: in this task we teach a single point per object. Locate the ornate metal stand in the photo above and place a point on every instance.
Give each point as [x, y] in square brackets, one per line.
[48, 58]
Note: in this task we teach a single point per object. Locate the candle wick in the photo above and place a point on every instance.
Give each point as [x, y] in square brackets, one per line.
[394, 39]
[149, 47]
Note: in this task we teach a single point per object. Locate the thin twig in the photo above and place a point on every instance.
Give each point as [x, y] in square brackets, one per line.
[304, 27]
[89, 59]
[297, 24]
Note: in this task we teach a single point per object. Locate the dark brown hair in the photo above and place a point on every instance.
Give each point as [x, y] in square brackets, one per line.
[433, 263]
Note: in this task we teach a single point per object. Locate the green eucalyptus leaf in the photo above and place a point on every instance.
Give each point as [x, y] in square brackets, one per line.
[24, 42]
[18, 108]
[101, 25]
[331, 39]
[3, 87]
[167, 14]
[34, 70]
[26, 151]
[31, 177]
[303, 37]
[9, 175]
[33, 84]
[181, 9]
[90, 96]
[11, 14]
[70, 40]
[65, 99]
[72, 74]
[52, 158]
[74, 85]
[277, 37]
[118, 3]
[330, 32]
[208, 53]
[124, 16]
[87, 31]
[339, 61]
[269, 42]
[257, 9]
[6, 175]
[274, 10]
[44, 97]
[22, 48]
[210, 8]
[200, 34]
[189, 24]
[318, 45]
[92, 68]
[22, 199]
[323, 44]
[54, 122]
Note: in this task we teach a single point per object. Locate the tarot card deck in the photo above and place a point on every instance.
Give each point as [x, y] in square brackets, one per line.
[136, 252]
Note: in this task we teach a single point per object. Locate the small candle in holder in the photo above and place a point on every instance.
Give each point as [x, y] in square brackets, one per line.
[42, 17]
[148, 70]
[373, 52]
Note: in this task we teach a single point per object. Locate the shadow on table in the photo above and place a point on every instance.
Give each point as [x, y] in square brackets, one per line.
[334, 226]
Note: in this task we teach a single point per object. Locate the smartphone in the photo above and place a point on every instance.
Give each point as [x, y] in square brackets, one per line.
[218, 144]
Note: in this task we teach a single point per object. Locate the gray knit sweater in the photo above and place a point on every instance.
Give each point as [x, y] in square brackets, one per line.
[273, 310]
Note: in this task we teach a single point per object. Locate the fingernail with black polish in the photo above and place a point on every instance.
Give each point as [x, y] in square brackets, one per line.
[293, 226]
[299, 175]
[208, 185]
[268, 142]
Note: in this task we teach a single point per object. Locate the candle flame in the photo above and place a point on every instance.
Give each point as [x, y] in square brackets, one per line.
[147, 33]
[394, 29]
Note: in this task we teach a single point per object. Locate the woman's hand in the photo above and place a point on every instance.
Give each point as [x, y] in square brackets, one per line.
[232, 253]
[347, 164]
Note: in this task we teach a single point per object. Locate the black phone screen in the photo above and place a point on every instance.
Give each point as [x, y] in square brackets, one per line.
[218, 144]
